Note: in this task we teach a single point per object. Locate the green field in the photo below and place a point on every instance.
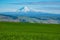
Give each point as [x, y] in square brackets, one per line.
[29, 31]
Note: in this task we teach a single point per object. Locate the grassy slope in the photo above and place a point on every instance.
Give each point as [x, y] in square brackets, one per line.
[29, 31]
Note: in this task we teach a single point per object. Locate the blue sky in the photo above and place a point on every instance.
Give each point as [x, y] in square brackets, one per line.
[14, 1]
[18, 1]
[51, 6]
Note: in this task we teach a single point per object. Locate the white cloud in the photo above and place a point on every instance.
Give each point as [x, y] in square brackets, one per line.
[8, 10]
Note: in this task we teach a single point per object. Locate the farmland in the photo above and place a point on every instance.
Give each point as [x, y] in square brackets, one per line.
[29, 31]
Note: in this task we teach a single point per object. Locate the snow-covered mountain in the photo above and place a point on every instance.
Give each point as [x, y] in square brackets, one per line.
[24, 9]
[28, 9]
[26, 14]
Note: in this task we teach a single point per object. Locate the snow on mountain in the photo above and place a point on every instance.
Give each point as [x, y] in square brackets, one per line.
[28, 9]
[24, 9]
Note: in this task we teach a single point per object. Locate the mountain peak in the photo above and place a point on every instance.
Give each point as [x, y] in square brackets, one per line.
[24, 9]
[28, 9]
